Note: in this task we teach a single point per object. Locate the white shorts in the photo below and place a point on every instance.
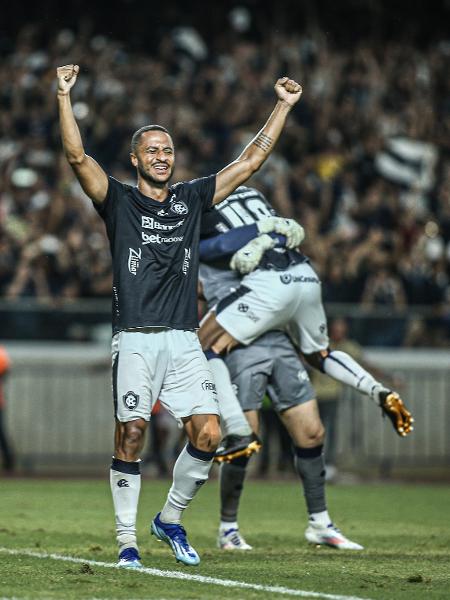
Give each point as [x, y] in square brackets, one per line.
[163, 363]
[287, 300]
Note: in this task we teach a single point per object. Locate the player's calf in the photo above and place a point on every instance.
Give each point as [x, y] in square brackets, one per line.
[232, 477]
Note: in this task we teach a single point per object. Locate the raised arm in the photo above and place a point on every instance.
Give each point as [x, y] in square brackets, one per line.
[258, 150]
[89, 173]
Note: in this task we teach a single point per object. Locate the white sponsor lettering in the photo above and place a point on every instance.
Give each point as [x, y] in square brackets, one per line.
[134, 258]
[151, 223]
[155, 238]
[187, 260]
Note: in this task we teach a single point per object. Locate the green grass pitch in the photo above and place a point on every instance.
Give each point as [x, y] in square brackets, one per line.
[405, 529]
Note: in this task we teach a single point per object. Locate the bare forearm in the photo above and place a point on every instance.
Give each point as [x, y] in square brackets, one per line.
[254, 155]
[258, 150]
[70, 134]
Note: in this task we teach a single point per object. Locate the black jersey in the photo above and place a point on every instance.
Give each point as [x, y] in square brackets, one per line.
[246, 206]
[154, 248]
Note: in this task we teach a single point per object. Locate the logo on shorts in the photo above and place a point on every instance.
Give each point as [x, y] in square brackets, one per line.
[243, 308]
[323, 328]
[200, 482]
[123, 483]
[286, 278]
[130, 400]
[302, 376]
[209, 386]
[179, 207]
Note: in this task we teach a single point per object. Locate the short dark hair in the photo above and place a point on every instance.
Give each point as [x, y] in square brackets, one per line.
[138, 134]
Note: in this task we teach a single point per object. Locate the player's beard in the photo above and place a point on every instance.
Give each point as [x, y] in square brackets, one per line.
[152, 180]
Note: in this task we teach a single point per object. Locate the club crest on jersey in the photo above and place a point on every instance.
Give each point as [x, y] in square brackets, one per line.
[134, 259]
[130, 400]
[179, 207]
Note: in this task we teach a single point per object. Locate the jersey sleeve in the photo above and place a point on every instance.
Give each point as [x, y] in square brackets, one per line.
[106, 209]
[226, 244]
[205, 187]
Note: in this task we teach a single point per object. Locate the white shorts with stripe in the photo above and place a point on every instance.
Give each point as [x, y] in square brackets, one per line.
[290, 301]
[163, 363]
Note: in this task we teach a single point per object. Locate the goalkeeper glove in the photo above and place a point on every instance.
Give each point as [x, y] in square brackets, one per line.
[293, 231]
[248, 257]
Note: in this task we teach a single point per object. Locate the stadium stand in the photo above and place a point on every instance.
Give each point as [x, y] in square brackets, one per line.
[364, 164]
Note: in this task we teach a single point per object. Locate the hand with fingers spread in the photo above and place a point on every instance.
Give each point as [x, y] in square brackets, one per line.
[67, 77]
[294, 232]
[246, 259]
[288, 90]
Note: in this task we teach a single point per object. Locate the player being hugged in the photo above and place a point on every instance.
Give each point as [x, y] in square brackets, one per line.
[153, 230]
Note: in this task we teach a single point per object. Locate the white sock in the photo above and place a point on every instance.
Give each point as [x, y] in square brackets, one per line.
[232, 418]
[224, 526]
[345, 369]
[125, 488]
[189, 473]
[322, 518]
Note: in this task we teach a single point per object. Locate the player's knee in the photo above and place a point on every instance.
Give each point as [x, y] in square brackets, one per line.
[314, 434]
[209, 437]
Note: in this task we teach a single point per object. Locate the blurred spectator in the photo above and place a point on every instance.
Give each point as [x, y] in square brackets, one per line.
[7, 454]
[364, 163]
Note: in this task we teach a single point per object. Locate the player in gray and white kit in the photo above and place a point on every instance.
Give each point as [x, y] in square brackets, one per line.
[285, 291]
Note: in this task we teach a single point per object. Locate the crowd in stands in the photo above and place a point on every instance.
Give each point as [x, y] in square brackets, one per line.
[363, 164]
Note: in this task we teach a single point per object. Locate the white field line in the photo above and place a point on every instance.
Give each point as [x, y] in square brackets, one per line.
[273, 589]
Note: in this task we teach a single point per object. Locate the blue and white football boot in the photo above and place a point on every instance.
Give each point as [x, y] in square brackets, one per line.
[231, 539]
[175, 536]
[129, 559]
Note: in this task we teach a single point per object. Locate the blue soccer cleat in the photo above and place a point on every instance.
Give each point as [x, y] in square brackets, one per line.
[129, 559]
[175, 536]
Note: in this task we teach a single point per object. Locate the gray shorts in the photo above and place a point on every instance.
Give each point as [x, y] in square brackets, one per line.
[163, 363]
[290, 301]
[271, 364]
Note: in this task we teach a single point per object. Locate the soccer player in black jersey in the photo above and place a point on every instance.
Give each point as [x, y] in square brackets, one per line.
[154, 230]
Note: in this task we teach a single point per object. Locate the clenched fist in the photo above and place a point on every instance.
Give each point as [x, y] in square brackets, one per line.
[288, 90]
[67, 76]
